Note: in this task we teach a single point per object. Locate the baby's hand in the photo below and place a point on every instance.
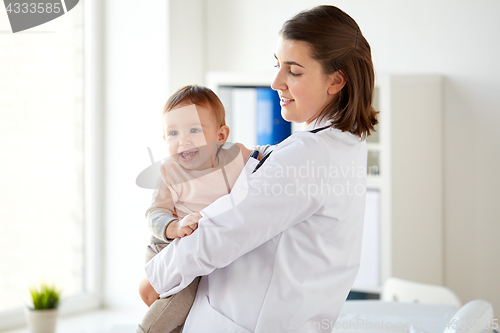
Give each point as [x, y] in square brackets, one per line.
[188, 224]
[184, 227]
[245, 152]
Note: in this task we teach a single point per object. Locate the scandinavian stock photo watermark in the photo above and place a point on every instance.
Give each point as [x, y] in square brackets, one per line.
[366, 324]
[309, 180]
[306, 179]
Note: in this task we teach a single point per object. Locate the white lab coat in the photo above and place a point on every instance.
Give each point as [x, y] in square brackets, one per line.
[281, 253]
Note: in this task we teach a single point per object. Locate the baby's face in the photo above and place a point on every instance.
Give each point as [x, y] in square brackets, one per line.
[191, 134]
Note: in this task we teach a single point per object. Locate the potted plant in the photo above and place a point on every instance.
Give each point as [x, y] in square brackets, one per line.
[42, 316]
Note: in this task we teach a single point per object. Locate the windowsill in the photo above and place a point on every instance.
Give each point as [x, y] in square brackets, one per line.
[99, 321]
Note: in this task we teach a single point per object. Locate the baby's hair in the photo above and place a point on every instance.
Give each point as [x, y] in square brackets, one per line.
[200, 96]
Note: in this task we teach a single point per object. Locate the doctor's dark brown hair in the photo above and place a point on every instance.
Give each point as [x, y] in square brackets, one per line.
[201, 96]
[336, 41]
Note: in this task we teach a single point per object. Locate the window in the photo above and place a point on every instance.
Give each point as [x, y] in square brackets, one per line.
[42, 208]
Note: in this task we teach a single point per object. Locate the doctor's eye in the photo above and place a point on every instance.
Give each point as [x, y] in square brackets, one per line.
[294, 74]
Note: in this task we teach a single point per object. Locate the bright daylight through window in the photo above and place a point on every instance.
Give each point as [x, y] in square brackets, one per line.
[41, 158]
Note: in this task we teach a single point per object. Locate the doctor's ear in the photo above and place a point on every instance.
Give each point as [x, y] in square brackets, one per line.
[338, 82]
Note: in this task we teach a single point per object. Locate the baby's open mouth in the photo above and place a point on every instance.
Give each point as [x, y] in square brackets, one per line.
[188, 155]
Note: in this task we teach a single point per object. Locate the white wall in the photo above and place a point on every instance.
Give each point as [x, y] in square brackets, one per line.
[457, 39]
[135, 89]
[187, 43]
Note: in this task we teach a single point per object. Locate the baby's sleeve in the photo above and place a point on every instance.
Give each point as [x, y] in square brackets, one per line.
[161, 211]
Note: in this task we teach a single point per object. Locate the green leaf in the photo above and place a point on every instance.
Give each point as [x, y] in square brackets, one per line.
[45, 297]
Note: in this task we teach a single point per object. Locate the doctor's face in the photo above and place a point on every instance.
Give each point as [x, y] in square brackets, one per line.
[191, 134]
[300, 82]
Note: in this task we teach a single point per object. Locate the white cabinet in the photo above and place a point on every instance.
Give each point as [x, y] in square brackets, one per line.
[404, 223]
[411, 177]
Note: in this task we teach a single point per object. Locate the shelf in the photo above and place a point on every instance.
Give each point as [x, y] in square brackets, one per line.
[101, 321]
[373, 182]
[367, 289]
[374, 146]
[217, 79]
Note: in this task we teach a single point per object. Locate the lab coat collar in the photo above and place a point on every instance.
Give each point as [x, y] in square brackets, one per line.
[327, 122]
[317, 124]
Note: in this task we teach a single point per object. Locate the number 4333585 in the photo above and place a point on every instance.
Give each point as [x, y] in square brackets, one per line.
[33, 8]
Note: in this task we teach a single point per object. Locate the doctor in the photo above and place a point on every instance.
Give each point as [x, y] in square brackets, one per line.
[283, 257]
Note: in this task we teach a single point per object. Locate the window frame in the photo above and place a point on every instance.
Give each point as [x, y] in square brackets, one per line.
[93, 279]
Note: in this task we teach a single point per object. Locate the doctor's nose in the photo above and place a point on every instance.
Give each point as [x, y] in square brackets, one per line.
[279, 82]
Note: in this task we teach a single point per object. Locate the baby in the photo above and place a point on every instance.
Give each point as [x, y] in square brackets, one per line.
[201, 168]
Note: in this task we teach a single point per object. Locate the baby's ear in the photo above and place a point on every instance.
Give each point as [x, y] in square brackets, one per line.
[223, 133]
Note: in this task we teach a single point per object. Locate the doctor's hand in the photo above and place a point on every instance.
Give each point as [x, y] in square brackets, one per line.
[184, 227]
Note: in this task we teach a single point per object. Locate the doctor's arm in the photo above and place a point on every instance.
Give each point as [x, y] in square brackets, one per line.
[250, 216]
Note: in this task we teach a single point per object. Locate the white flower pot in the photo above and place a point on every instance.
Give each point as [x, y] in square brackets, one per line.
[41, 321]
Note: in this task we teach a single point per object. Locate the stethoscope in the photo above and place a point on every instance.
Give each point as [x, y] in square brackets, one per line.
[255, 153]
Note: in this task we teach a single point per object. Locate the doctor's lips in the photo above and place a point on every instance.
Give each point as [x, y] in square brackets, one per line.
[285, 101]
